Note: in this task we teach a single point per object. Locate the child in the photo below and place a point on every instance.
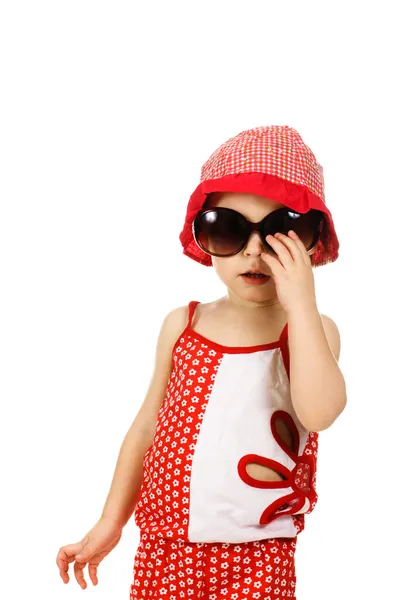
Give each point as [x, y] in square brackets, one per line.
[228, 432]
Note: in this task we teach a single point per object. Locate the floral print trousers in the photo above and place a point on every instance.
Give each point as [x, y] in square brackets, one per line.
[177, 570]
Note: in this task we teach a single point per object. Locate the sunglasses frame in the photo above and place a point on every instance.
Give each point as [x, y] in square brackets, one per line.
[254, 227]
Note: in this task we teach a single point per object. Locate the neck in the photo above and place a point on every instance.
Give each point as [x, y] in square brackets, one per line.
[236, 301]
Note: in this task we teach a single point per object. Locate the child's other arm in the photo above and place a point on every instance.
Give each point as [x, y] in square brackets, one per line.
[317, 386]
[128, 475]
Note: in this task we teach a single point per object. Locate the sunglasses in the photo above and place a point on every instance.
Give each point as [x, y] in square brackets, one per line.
[223, 231]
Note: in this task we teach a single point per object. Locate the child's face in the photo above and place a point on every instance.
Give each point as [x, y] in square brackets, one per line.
[230, 268]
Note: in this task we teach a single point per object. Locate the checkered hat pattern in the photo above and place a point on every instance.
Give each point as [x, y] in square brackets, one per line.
[271, 161]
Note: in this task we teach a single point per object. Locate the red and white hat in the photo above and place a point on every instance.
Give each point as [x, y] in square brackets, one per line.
[271, 161]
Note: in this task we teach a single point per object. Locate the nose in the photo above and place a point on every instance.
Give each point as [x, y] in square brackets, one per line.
[255, 245]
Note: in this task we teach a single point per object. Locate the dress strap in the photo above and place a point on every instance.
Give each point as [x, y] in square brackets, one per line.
[284, 335]
[192, 307]
[283, 343]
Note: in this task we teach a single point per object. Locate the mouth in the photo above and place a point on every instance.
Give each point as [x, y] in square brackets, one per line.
[255, 277]
[254, 273]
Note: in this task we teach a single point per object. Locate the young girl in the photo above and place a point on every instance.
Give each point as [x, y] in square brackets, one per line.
[219, 465]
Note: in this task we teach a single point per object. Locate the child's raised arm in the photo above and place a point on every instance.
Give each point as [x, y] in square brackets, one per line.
[128, 474]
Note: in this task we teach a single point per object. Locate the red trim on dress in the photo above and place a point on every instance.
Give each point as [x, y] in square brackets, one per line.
[228, 349]
[300, 478]
[283, 342]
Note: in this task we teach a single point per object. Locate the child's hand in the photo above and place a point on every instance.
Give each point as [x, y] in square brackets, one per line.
[96, 544]
[291, 271]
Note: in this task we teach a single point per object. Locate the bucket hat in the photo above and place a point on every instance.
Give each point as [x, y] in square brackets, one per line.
[270, 161]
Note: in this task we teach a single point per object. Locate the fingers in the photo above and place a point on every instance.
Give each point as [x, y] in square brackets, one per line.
[79, 575]
[281, 250]
[289, 248]
[68, 554]
[274, 263]
[303, 250]
[78, 569]
[93, 574]
[63, 568]
[65, 555]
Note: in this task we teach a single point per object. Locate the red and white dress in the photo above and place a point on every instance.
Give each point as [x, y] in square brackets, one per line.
[225, 407]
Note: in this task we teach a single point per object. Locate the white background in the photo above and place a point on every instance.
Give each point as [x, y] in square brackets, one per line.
[108, 111]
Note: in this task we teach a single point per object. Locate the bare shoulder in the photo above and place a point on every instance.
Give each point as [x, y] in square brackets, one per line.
[332, 334]
[171, 328]
[175, 321]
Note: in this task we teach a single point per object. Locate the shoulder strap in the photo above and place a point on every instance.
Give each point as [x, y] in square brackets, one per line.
[283, 342]
[192, 307]
[284, 335]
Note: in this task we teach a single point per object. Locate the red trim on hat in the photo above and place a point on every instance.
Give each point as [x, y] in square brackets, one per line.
[297, 197]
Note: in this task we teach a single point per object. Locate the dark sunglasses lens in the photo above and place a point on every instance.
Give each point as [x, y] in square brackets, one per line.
[305, 225]
[220, 232]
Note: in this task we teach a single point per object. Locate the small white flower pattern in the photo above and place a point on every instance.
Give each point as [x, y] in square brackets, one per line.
[167, 564]
[163, 505]
[259, 570]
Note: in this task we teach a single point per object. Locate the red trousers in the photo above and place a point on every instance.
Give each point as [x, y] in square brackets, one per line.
[171, 570]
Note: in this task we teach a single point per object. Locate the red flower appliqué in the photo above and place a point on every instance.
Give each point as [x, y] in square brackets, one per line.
[300, 478]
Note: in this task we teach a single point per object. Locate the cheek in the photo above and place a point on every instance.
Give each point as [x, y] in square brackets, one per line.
[226, 268]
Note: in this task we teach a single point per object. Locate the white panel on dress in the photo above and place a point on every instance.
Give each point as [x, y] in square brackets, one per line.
[247, 389]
